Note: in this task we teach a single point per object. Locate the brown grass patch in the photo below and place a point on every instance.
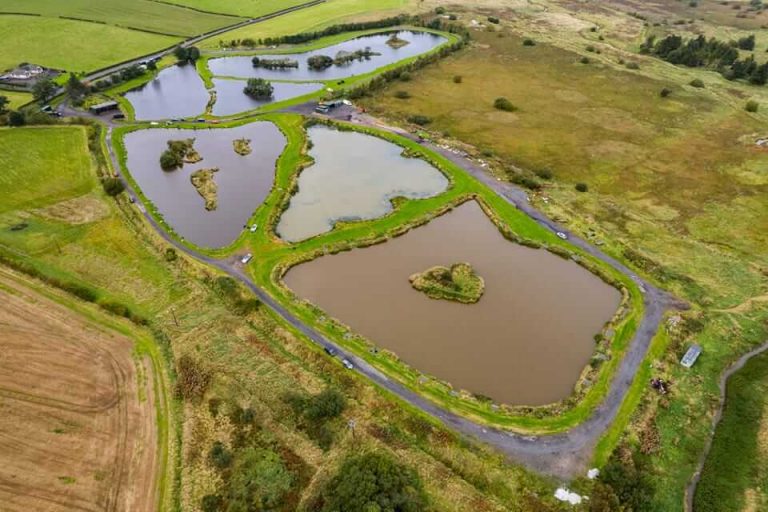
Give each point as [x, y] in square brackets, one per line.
[79, 210]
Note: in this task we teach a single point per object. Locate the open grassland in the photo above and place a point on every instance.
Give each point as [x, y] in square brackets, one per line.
[80, 409]
[51, 162]
[328, 13]
[246, 8]
[734, 476]
[677, 188]
[252, 363]
[16, 98]
[144, 15]
[72, 45]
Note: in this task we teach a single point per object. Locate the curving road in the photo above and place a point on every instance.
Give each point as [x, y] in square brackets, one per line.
[563, 455]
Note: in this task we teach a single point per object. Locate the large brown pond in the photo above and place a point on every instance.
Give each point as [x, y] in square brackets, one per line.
[525, 342]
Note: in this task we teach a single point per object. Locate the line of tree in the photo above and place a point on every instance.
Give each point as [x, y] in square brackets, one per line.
[710, 53]
[304, 37]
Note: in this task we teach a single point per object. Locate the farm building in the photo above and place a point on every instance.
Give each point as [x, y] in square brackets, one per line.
[103, 107]
[25, 72]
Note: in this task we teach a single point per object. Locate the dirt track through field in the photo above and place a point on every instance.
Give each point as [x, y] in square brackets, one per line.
[74, 434]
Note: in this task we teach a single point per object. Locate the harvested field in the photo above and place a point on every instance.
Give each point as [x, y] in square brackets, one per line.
[75, 434]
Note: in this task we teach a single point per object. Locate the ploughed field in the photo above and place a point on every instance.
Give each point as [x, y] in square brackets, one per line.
[74, 433]
[525, 342]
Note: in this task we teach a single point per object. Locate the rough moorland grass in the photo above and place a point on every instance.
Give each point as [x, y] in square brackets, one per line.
[138, 14]
[328, 13]
[42, 166]
[734, 476]
[72, 45]
[255, 362]
[246, 8]
[16, 98]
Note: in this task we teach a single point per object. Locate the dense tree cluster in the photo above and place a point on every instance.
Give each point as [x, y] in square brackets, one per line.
[710, 53]
[374, 482]
[258, 88]
[189, 54]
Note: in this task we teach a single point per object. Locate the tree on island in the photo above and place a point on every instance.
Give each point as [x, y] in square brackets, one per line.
[258, 88]
[319, 62]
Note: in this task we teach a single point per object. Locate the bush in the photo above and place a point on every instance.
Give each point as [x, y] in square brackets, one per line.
[584, 60]
[697, 82]
[457, 79]
[220, 457]
[192, 379]
[402, 95]
[405, 76]
[112, 186]
[211, 503]
[665, 92]
[440, 10]
[633, 65]
[581, 187]
[590, 48]
[452, 17]
[325, 405]
[544, 174]
[170, 160]
[419, 119]
[374, 482]
[170, 255]
[258, 88]
[751, 106]
[260, 481]
[16, 118]
[503, 103]
[529, 42]
[494, 20]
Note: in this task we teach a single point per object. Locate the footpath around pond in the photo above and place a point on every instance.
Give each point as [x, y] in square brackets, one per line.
[565, 455]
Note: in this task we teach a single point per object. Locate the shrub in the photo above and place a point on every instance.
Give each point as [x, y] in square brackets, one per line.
[503, 103]
[374, 482]
[584, 60]
[112, 186]
[581, 187]
[529, 42]
[170, 160]
[419, 119]
[16, 118]
[590, 48]
[220, 457]
[544, 174]
[259, 481]
[751, 106]
[258, 88]
[457, 79]
[402, 95]
[494, 20]
[665, 92]
[452, 17]
[696, 82]
[170, 255]
[211, 503]
[633, 65]
[440, 10]
[327, 404]
[192, 379]
[405, 76]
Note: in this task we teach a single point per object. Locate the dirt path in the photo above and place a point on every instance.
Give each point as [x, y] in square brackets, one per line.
[690, 490]
[74, 434]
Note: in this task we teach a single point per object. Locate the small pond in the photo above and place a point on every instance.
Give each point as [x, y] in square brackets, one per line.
[418, 43]
[354, 177]
[525, 342]
[243, 181]
[230, 98]
[176, 92]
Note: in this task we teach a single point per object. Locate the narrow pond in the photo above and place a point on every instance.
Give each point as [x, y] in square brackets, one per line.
[525, 342]
[230, 98]
[418, 43]
[176, 92]
[354, 177]
[243, 181]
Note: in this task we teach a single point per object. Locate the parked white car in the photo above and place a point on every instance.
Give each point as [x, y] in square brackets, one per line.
[245, 259]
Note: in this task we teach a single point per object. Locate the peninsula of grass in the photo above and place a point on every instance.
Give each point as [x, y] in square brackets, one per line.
[202, 180]
[458, 283]
[242, 146]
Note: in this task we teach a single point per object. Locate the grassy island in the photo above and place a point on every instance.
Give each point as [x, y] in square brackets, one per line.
[458, 283]
[202, 180]
[395, 42]
[179, 152]
[242, 146]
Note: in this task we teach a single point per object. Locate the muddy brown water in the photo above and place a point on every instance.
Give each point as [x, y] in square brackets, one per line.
[525, 342]
[354, 177]
[243, 181]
